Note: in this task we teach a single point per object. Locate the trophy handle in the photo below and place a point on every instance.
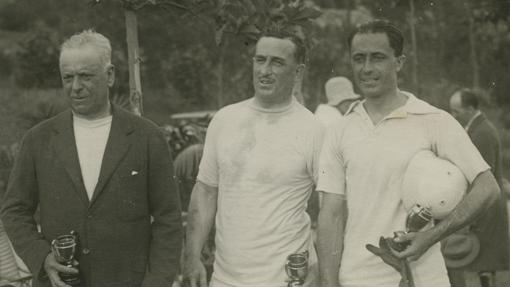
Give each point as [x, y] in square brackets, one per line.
[306, 254]
[75, 234]
[53, 243]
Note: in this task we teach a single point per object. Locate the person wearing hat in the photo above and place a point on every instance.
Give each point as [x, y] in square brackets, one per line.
[361, 167]
[459, 250]
[492, 228]
[340, 96]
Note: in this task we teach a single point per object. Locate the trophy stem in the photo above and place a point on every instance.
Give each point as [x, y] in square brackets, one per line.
[64, 249]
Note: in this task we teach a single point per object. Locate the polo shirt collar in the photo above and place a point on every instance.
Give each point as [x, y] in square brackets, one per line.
[413, 105]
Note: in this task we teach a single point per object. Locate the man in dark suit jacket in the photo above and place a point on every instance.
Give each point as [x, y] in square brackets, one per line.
[492, 228]
[102, 172]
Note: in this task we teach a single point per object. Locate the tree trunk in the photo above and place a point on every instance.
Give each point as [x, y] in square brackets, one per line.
[414, 46]
[472, 47]
[135, 85]
[220, 100]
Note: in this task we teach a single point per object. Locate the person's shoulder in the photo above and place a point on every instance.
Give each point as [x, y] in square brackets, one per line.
[486, 129]
[307, 119]
[139, 123]
[231, 111]
[45, 127]
[417, 106]
[233, 108]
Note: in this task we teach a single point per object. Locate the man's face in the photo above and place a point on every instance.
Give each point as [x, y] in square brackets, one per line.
[86, 81]
[275, 68]
[374, 64]
[462, 114]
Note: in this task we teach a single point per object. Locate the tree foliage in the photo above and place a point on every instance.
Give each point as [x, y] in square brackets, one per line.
[195, 52]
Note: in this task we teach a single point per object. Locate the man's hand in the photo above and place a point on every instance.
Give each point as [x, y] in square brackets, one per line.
[419, 243]
[52, 268]
[194, 273]
[386, 253]
[312, 279]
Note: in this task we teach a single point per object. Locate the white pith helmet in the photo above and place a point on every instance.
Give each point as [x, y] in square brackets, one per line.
[433, 182]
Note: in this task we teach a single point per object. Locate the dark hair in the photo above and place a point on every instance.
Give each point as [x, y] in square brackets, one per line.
[394, 35]
[280, 33]
[468, 98]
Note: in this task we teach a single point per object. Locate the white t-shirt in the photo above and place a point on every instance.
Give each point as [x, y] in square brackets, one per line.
[91, 137]
[327, 114]
[264, 163]
[366, 162]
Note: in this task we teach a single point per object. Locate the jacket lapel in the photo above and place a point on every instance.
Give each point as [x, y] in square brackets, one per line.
[118, 144]
[64, 146]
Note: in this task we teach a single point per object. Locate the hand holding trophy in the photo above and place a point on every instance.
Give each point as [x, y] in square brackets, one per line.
[297, 268]
[64, 248]
[431, 188]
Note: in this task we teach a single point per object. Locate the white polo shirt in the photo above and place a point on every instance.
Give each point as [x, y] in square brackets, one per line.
[264, 163]
[366, 162]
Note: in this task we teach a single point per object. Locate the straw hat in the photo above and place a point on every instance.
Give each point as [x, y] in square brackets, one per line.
[460, 248]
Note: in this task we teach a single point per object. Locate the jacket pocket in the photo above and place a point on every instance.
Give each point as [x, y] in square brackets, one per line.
[132, 204]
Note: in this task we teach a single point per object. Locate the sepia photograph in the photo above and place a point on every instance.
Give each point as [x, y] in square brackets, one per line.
[254, 143]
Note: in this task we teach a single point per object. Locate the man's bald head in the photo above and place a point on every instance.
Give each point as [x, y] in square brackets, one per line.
[463, 105]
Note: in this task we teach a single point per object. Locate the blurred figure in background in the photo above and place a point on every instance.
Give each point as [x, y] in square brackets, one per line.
[492, 227]
[340, 96]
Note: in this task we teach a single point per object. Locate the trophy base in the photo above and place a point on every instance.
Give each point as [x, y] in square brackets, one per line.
[295, 283]
[397, 246]
[70, 279]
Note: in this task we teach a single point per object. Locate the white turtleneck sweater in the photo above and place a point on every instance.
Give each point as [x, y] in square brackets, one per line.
[91, 137]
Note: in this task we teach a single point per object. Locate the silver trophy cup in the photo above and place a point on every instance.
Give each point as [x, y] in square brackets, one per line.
[64, 248]
[296, 268]
[417, 218]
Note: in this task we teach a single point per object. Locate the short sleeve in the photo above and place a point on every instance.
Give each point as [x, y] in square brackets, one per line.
[315, 151]
[331, 163]
[452, 142]
[208, 172]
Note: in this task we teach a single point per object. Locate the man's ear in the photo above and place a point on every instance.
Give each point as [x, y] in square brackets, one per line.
[400, 62]
[110, 72]
[300, 70]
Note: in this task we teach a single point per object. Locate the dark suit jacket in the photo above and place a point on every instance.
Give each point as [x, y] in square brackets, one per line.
[492, 227]
[119, 244]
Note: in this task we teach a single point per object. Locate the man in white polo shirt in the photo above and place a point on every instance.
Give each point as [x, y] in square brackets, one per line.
[257, 172]
[362, 164]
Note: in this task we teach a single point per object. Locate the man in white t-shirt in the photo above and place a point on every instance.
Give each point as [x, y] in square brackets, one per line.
[340, 96]
[100, 171]
[258, 169]
[362, 164]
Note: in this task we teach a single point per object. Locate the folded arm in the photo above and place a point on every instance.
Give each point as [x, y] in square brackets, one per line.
[484, 191]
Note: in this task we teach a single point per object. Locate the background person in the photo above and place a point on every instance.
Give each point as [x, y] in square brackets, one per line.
[340, 96]
[492, 228]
